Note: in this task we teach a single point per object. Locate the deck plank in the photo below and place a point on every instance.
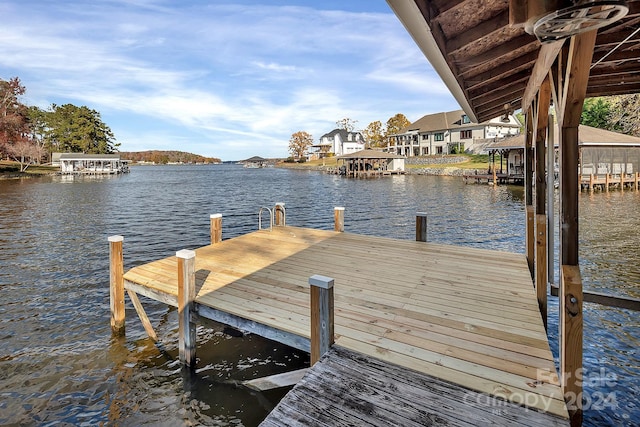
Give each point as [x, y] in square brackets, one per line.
[464, 315]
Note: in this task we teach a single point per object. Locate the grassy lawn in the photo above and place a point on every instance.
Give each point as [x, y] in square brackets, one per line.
[13, 168]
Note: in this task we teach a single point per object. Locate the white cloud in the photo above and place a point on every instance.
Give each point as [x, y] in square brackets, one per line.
[236, 77]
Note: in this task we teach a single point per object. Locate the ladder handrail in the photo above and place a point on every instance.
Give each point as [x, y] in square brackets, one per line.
[270, 218]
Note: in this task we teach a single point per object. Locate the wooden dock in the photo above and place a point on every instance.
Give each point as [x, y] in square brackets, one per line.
[465, 316]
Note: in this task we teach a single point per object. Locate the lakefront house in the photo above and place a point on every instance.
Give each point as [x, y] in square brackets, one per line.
[338, 142]
[452, 131]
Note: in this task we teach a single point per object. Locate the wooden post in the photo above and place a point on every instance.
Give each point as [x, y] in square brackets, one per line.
[116, 285]
[541, 265]
[216, 228]
[528, 190]
[530, 236]
[637, 179]
[279, 214]
[421, 227]
[322, 335]
[186, 296]
[338, 219]
[571, 300]
[591, 183]
[606, 182]
[621, 181]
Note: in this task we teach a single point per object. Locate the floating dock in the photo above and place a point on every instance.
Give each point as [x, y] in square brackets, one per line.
[467, 318]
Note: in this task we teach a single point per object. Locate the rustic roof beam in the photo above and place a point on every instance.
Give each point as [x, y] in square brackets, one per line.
[615, 38]
[492, 87]
[491, 113]
[501, 71]
[479, 31]
[614, 79]
[444, 5]
[616, 56]
[609, 69]
[546, 56]
[622, 89]
[495, 53]
[506, 95]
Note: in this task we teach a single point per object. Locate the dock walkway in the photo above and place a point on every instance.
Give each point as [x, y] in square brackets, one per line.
[466, 316]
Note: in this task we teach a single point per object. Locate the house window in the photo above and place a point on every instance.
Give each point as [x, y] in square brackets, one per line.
[439, 150]
[425, 137]
[438, 137]
[425, 151]
[465, 119]
[465, 134]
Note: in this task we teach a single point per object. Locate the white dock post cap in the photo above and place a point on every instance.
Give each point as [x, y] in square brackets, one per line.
[339, 208]
[115, 238]
[421, 214]
[218, 215]
[186, 254]
[321, 281]
[280, 204]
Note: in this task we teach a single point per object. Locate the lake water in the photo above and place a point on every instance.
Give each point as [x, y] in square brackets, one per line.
[59, 364]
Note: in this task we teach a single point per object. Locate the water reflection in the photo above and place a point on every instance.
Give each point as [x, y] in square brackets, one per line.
[58, 362]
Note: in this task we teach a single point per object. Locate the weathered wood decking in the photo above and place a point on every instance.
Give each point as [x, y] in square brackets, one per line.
[350, 388]
[466, 316]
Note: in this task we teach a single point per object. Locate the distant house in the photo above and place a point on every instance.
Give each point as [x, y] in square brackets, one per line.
[255, 162]
[600, 152]
[90, 164]
[370, 162]
[441, 133]
[338, 142]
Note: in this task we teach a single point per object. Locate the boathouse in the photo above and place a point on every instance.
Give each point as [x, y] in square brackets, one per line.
[600, 153]
[90, 164]
[370, 162]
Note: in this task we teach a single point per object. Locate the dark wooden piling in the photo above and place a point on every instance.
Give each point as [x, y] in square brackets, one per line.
[116, 285]
[338, 219]
[421, 227]
[216, 228]
[186, 296]
[322, 316]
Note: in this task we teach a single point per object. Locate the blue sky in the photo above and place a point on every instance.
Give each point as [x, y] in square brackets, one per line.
[228, 79]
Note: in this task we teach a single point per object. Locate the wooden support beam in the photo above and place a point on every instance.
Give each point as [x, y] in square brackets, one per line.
[421, 227]
[546, 57]
[116, 285]
[285, 379]
[528, 178]
[571, 300]
[477, 32]
[216, 228]
[279, 213]
[186, 296]
[142, 315]
[338, 219]
[322, 316]
[541, 265]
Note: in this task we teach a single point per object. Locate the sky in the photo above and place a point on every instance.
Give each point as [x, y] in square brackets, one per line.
[226, 79]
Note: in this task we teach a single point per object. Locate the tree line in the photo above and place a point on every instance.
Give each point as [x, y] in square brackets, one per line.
[376, 135]
[29, 134]
[619, 113]
[162, 157]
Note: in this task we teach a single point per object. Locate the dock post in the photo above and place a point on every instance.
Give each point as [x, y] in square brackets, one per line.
[571, 299]
[421, 227]
[530, 236]
[338, 219]
[621, 181]
[216, 228]
[322, 328]
[116, 285]
[541, 266]
[279, 214]
[637, 179]
[186, 296]
[591, 183]
[606, 182]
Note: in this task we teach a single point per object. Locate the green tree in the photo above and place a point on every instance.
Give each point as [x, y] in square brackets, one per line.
[80, 130]
[374, 134]
[346, 124]
[396, 124]
[596, 113]
[300, 143]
